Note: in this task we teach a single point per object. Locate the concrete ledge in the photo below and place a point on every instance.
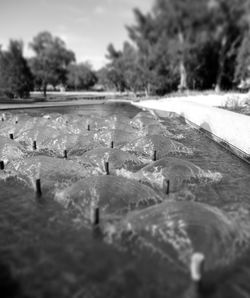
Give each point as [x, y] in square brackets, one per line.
[216, 100]
[231, 128]
[80, 102]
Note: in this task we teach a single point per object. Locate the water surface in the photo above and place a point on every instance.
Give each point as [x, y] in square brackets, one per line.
[47, 250]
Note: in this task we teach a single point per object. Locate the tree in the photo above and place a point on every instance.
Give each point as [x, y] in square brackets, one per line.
[242, 72]
[15, 76]
[123, 71]
[180, 24]
[115, 68]
[202, 65]
[143, 34]
[230, 22]
[180, 39]
[81, 76]
[131, 68]
[49, 66]
[102, 78]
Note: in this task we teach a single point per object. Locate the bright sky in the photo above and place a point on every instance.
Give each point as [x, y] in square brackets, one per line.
[87, 26]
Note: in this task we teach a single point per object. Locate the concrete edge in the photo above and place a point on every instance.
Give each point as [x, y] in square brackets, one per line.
[5, 107]
[159, 108]
[227, 141]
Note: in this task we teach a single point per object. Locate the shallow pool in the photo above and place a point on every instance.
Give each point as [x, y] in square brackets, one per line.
[153, 217]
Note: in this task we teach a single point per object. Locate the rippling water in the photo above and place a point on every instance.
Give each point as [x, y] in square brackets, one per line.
[49, 249]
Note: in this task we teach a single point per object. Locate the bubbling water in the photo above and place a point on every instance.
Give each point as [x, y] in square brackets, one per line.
[54, 173]
[104, 162]
[186, 227]
[113, 195]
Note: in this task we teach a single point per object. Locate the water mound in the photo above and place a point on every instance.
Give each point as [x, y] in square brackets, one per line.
[56, 146]
[117, 136]
[16, 125]
[144, 115]
[162, 145]
[97, 123]
[141, 122]
[38, 133]
[54, 173]
[75, 144]
[183, 228]
[116, 158]
[179, 172]
[113, 195]
[71, 124]
[6, 129]
[85, 143]
[157, 129]
[10, 150]
[119, 122]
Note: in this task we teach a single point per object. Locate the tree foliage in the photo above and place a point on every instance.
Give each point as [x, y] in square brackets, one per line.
[15, 76]
[243, 60]
[115, 68]
[182, 44]
[123, 70]
[49, 66]
[80, 76]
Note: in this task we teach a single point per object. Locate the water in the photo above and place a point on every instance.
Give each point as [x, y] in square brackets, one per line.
[50, 249]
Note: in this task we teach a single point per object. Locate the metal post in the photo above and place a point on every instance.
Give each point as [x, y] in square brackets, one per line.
[11, 136]
[97, 217]
[197, 269]
[154, 158]
[65, 153]
[107, 168]
[38, 188]
[167, 188]
[34, 145]
[1, 165]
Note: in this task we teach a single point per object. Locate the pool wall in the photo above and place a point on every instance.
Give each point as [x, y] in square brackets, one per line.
[228, 128]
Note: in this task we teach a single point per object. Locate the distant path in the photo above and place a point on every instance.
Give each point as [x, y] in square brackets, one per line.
[79, 102]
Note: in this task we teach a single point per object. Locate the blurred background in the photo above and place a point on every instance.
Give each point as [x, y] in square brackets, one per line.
[151, 47]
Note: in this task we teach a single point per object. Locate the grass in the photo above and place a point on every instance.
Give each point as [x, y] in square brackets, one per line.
[235, 104]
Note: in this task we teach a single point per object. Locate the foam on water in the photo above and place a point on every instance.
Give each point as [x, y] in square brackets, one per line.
[117, 136]
[116, 158]
[186, 227]
[177, 171]
[54, 173]
[162, 145]
[163, 230]
[115, 195]
[10, 150]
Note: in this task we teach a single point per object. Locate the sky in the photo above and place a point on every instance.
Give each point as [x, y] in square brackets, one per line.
[86, 26]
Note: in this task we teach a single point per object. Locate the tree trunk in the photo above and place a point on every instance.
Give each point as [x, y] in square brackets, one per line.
[183, 76]
[148, 90]
[183, 73]
[221, 63]
[45, 90]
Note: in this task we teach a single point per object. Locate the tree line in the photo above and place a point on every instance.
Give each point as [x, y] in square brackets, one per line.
[177, 45]
[53, 64]
[183, 44]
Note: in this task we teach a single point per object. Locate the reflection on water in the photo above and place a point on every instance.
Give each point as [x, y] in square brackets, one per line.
[153, 214]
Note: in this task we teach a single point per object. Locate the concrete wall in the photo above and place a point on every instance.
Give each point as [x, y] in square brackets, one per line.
[231, 127]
